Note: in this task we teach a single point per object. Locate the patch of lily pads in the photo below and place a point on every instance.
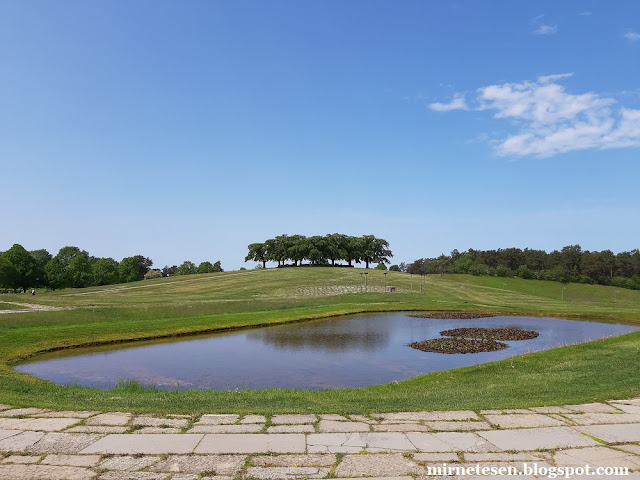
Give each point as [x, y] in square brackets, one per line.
[473, 340]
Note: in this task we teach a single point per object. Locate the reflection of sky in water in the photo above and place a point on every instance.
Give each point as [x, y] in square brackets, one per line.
[352, 351]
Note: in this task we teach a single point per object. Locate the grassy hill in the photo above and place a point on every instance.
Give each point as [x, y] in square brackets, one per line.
[180, 305]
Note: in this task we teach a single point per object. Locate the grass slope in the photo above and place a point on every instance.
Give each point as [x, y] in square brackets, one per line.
[180, 305]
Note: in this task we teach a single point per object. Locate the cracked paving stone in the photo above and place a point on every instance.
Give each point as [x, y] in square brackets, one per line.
[379, 465]
[538, 438]
[598, 457]
[14, 412]
[245, 428]
[463, 426]
[451, 442]
[401, 427]
[436, 457]
[157, 430]
[356, 442]
[67, 414]
[96, 429]
[130, 443]
[20, 442]
[433, 416]
[221, 464]
[147, 421]
[613, 433]
[603, 418]
[592, 408]
[252, 443]
[115, 475]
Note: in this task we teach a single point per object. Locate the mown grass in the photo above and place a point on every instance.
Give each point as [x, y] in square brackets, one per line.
[184, 305]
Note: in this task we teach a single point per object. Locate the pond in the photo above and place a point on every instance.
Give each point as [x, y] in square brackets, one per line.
[339, 352]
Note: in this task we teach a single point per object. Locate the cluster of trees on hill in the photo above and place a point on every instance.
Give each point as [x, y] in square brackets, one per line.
[571, 264]
[319, 250]
[72, 267]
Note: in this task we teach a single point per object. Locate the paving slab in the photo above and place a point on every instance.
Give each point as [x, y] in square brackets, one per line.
[363, 419]
[221, 464]
[529, 420]
[603, 418]
[593, 408]
[157, 430]
[128, 463]
[300, 428]
[458, 426]
[401, 427]
[244, 428]
[291, 419]
[20, 442]
[122, 475]
[613, 433]
[450, 442]
[628, 408]
[597, 457]
[253, 419]
[211, 419]
[538, 438]
[387, 478]
[502, 457]
[434, 416]
[310, 460]
[252, 443]
[333, 416]
[68, 443]
[379, 465]
[5, 407]
[631, 448]
[43, 424]
[67, 414]
[331, 426]
[8, 433]
[23, 459]
[551, 410]
[355, 442]
[110, 418]
[96, 429]
[287, 472]
[14, 412]
[72, 460]
[149, 421]
[522, 411]
[436, 457]
[48, 472]
[128, 443]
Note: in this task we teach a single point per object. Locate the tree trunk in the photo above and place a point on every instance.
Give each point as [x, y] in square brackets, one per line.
[264, 264]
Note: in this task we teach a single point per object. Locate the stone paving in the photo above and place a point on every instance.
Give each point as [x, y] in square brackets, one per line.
[90, 445]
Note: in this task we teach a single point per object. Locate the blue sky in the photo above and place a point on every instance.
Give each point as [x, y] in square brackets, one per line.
[187, 130]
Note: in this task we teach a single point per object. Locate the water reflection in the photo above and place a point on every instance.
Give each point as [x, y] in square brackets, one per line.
[331, 336]
[351, 351]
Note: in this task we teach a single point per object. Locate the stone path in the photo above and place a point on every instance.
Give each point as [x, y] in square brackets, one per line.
[91, 445]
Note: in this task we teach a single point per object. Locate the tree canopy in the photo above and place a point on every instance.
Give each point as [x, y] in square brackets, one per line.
[320, 250]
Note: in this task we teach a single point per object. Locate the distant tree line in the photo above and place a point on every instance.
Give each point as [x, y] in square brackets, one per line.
[72, 267]
[320, 250]
[571, 264]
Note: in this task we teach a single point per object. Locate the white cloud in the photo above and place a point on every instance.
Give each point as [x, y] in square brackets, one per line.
[585, 14]
[546, 29]
[632, 36]
[457, 103]
[549, 120]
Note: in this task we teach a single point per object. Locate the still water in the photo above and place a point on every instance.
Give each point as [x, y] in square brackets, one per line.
[340, 352]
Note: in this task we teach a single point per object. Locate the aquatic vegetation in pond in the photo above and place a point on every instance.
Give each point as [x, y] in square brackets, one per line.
[491, 333]
[458, 345]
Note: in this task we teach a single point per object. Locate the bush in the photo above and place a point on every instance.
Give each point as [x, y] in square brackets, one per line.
[504, 271]
[152, 274]
[525, 272]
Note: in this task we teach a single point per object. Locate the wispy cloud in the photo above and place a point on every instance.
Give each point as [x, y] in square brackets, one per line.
[543, 28]
[632, 36]
[549, 120]
[585, 14]
[458, 102]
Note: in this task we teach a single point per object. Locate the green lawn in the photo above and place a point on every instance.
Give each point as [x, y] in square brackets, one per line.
[595, 371]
